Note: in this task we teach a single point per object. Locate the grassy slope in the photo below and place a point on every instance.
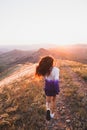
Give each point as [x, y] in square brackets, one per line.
[9, 72]
[22, 103]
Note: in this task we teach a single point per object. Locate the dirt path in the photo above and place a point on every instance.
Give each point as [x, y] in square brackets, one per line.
[78, 81]
[63, 116]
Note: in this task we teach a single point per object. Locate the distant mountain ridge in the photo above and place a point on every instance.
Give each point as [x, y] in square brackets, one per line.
[30, 47]
[14, 57]
[11, 58]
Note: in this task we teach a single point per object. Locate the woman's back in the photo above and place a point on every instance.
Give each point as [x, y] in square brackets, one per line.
[54, 74]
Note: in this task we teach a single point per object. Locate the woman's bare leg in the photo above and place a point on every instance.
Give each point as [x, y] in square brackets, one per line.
[48, 102]
[53, 104]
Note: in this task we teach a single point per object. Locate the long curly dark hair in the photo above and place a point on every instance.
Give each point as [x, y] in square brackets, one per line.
[45, 66]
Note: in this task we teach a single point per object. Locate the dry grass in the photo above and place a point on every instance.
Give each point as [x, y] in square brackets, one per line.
[22, 103]
[22, 106]
[77, 100]
[80, 69]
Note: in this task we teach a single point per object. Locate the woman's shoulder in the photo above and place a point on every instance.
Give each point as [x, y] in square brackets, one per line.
[55, 68]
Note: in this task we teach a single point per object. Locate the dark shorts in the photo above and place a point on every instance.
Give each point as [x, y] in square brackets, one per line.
[51, 88]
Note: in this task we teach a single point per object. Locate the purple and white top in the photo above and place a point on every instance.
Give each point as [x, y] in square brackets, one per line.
[52, 82]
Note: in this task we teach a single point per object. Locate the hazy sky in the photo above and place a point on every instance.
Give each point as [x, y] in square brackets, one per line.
[43, 21]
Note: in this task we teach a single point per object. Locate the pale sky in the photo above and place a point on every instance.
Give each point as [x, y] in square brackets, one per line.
[43, 21]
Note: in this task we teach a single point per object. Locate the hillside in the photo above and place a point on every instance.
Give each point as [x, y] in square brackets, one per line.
[17, 72]
[15, 57]
[12, 58]
[22, 99]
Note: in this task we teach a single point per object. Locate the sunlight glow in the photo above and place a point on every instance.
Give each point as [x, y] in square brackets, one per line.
[38, 22]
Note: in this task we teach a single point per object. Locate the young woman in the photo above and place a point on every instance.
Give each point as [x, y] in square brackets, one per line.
[50, 73]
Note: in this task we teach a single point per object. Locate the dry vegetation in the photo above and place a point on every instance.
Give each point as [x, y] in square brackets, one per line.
[79, 68]
[22, 106]
[22, 103]
[75, 92]
[8, 72]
